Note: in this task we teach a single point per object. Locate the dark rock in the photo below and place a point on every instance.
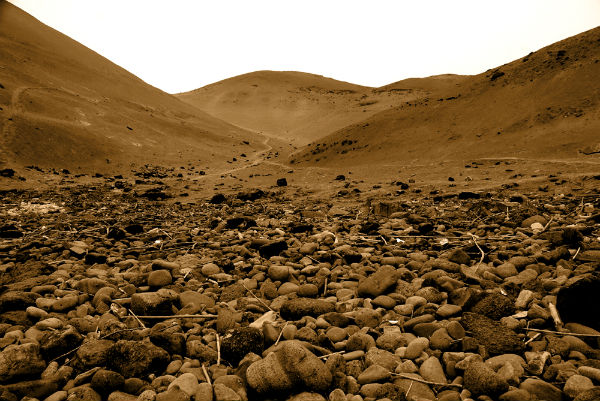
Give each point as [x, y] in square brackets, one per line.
[239, 342]
[379, 282]
[116, 233]
[10, 231]
[240, 222]
[217, 199]
[494, 306]
[39, 388]
[290, 366]
[336, 319]
[592, 394]
[93, 353]
[7, 172]
[370, 227]
[196, 350]
[84, 393]
[251, 195]
[106, 381]
[134, 385]
[296, 228]
[479, 378]
[137, 358]
[56, 343]
[17, 300]
[20, 362]
[95, 257]
[151, 303]
[459, 256]
[169, 338]
[550, 258]
[273, 248]
[497, 338]
[295, 309]
[282, 182]
[134, 228]
[155, 194]
[468, 195]
[571, 299]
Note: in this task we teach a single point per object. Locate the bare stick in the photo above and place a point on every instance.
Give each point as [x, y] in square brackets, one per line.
[325, 287]
[280, 333]
[204, 316]
[405, 376]
[533, 338]
[562, 333]
[218, 350]
[576, 253]
[206, 375]
[136, 318]
[480, 250]
[258, 299]
[555, 316]
[333, 353]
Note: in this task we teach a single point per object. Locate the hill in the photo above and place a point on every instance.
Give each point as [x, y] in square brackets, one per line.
[294, 106]
[64, 106]
[542, 106]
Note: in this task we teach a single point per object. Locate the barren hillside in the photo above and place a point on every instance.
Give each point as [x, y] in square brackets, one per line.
[544, 106]
[64, 106]
[294, 106]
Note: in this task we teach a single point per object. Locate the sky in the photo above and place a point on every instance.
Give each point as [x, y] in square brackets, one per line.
[181, 45]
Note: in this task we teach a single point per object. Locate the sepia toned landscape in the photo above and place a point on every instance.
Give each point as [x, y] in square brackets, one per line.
[280, 235]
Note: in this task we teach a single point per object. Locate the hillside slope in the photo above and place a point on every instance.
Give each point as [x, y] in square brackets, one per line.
[294, 106]
[64, 106]
[544, 106]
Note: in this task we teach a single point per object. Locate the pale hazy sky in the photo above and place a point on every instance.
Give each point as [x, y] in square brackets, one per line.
[181, 45]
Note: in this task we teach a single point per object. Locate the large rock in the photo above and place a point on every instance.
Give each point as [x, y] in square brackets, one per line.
[239, 342]
[496, 337]
[540, 390]
[37, 389]
[572, 298]
[106, 381]
[494, 306]
[20, 361]
[297, 308]
[379, 282]
[17, 300]
[137, 358]
[290, 367]
[151, 303]
[56, 343]
[480, 378]
[93, 353]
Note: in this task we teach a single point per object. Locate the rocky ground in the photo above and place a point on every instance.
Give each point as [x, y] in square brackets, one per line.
[109, 292]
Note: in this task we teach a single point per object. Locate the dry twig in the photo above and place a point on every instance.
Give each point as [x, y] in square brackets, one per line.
[136, 318]
[206, 374]
[405, 376]
[480, 250]
[259, 300]
[562, 333]
[204, 316]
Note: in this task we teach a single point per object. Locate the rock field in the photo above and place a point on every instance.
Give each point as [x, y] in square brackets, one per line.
[107, 293]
